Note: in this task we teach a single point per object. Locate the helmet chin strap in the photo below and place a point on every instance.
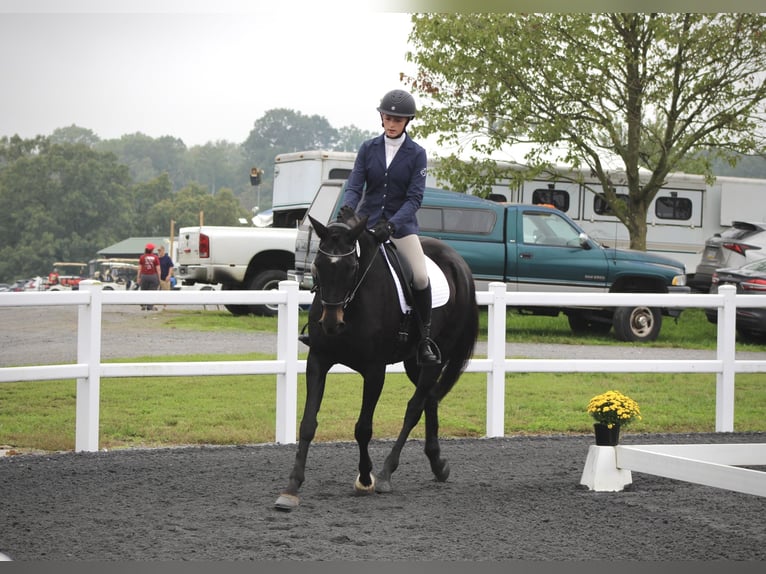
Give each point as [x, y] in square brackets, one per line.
[404, 131]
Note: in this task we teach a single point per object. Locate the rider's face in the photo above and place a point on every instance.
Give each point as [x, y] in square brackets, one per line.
[393, 125]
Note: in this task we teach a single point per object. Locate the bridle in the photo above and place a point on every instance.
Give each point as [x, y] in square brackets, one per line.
[353, 252]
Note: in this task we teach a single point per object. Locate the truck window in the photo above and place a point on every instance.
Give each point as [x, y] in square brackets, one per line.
[456, 220]
[339, 173]
[558, 198]
[678, 208]
[548, 229]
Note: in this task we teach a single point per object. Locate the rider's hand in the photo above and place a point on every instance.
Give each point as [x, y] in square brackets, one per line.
[382, 230]
[345, 214]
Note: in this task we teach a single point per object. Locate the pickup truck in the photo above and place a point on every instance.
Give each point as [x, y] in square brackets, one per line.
[254, 258]
[258, 258]
[529, 248]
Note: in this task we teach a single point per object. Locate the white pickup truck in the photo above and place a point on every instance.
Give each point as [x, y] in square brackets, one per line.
[258, 258]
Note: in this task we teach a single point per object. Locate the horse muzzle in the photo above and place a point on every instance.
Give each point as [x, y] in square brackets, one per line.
[332, 321]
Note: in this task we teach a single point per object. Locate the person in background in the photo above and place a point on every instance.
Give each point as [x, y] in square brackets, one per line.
[387, 185]
[148, 276]
[167, 269]
[53, 277]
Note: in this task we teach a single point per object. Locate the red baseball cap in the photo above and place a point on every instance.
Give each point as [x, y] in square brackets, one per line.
[150, 246]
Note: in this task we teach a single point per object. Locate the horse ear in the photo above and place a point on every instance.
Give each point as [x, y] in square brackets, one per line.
[318, 227]
[360, 226]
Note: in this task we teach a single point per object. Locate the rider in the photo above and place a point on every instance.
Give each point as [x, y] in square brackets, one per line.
[387, 185]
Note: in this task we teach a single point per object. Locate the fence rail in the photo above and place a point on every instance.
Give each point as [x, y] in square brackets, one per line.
[88, 370]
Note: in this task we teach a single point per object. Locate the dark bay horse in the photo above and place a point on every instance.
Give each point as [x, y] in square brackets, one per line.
[356, 320]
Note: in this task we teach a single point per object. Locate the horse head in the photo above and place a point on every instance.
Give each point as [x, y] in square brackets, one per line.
[336, 269]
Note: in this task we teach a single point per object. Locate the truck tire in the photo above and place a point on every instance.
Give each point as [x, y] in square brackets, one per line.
[236, 310]
[266, 281]
[637, 324]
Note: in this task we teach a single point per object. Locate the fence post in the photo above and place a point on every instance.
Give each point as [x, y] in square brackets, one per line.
[496, 325]
[89, 352]
[726, 353]
[287, 351]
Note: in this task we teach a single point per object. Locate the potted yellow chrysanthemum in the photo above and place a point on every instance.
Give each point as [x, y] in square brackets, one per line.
[611, 411]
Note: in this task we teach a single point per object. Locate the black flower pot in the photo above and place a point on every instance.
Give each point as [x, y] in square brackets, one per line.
[606, 436]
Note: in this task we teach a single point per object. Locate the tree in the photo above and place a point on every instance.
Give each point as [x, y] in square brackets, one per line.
[149, 157]
[351, 137]
[281, 131]
[74, 134]
[60, 202]
[663, 92]
[185, 207]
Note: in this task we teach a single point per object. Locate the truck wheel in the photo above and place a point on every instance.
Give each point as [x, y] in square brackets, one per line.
[582, 325]
[236, 310]
[638, 324]
[266, 281]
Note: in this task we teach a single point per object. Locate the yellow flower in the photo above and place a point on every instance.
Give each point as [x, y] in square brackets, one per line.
[613, 408]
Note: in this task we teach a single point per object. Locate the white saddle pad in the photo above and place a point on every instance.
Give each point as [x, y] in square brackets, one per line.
[439, 285]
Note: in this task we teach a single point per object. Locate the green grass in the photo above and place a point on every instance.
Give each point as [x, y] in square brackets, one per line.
[150, 412]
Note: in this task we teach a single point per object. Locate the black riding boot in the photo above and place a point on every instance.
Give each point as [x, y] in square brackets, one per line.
[428, 351]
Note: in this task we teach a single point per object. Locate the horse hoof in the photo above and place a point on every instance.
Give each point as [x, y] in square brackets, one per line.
[287, 502]
[361, 488]
[443, 475]
[383, 486]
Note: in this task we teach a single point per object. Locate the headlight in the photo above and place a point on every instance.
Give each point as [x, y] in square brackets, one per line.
[679, 280]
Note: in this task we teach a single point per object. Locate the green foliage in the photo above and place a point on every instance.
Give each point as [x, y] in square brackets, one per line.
[609, 92]
[60, 202]
[71, 194]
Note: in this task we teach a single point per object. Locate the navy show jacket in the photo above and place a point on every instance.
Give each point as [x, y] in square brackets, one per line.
[394, 193]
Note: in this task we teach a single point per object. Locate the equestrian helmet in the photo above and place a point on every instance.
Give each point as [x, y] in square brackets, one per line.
[398, 103]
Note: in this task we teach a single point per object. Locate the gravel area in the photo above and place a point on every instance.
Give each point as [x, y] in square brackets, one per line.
[512, 498]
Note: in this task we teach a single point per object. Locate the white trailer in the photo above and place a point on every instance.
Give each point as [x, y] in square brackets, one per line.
[683, 215]
[297, 176]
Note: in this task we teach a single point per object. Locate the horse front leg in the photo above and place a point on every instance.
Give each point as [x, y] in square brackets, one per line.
[373, 386]
[316, 376]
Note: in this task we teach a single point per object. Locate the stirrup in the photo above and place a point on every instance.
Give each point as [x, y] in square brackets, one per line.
[429, 353]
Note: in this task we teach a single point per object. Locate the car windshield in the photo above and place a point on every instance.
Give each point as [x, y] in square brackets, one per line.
[759, 265]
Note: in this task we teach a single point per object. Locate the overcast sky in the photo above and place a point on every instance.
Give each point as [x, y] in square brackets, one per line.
[192, 74]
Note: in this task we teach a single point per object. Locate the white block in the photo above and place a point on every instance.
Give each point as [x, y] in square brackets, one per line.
[601, 473]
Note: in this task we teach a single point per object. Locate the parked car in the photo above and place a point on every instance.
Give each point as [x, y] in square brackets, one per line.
[743, 242]
[4, 287]
[750, 279]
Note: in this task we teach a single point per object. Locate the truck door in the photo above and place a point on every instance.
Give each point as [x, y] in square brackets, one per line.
[551, 255]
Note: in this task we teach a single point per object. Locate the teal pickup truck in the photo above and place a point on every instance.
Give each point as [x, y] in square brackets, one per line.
[529, 248]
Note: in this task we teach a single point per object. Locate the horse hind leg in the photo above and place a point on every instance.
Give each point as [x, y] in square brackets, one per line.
[439, 465]
[411, 417]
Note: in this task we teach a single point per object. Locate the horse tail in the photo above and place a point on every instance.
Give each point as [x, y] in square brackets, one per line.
[464, 346]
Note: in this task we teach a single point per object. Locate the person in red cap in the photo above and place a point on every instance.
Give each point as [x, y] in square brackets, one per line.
[148, 277]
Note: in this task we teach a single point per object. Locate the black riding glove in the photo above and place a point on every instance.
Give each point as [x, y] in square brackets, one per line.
[345, 214]
[382, 230]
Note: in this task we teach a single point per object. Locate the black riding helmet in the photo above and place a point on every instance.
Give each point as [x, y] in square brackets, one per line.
[398, 103]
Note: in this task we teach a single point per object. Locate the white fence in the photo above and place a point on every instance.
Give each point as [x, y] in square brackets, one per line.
[88, 370]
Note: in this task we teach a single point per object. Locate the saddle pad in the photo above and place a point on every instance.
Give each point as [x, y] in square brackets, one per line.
[439, 285]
